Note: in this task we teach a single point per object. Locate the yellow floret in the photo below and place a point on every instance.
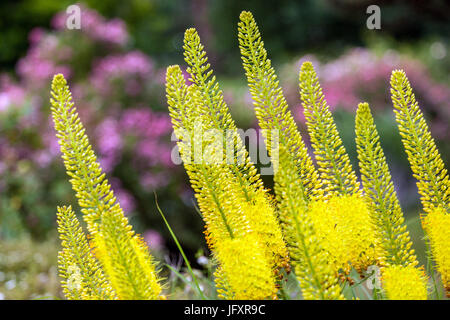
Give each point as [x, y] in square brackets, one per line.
[404, 283]
[346, 232]
[261, 213]
[437, 226]
[244, 272]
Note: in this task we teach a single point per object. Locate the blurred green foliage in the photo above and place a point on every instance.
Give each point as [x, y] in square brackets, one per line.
[290, 26]
[28, 269]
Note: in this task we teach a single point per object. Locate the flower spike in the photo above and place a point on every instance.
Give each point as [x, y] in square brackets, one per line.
[334, 164]
[109, 228]
[238, 229]
[270, 104]
[216, 116]
[426, 163]
[82, 276]
[315, 274]
[379, 189]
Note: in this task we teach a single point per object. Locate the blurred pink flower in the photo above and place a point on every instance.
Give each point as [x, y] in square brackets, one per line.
[11, 94]
[5, 101]
[36, 70]
[35, 35]
[360, 75]
[153, 239]
[133, 68]
[124, 197]
[95, 26]
[109, 143]
[149, 128]
[153, 180]
[126, 200]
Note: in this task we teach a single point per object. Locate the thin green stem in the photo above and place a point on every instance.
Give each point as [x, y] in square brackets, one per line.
[194, 278]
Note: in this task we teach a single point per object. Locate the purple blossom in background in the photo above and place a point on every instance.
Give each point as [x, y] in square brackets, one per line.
[11, 94]
[153, 239]
[112, 31]
[143, 132]
[360, 75]
[5, 102]
[35, 36]
[143, 121]
[37, 68]
[150, 129]
[48, 55]
[133, 68]
[154, 180]
[125, 198]
[109, 143]
[44, 157]
[124, 73]
[97, 27]
[111, 93]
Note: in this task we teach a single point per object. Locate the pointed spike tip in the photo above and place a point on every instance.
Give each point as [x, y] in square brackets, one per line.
[246, 16]
[363, 107]
[191, 33]
[173, 69]
[307, 66]
[58, 81]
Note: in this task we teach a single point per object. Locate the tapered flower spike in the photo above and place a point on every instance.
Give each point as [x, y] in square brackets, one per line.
[125, 258]
[92, 189]
[279, 129]
[428, 168]
[246, 267]
[316, 276]
[215, 111]
[426, 163]
[344, 221]
[404, 283]
[437, 226]
[82, 276]
[101, 210]
[271, 107]
[216, 116]
[208, 181]
[335, 169]
[379, 190]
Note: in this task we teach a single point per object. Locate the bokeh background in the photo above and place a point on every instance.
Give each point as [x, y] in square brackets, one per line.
[115, 66]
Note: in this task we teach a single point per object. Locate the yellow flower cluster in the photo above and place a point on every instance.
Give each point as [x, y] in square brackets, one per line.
[82, 276]
[346, 232]
[321, 215]
[316, 277]
[404, 283]
[437, 225]
[244, 271]
[125, 258]
[231, 196]
[379, 191]
[126, 268]
[261, 213]
[426, 163]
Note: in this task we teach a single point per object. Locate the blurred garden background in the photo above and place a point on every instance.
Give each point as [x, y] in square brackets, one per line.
[115, 65]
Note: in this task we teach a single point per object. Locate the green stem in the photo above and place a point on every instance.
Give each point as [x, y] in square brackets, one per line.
[181, 250]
